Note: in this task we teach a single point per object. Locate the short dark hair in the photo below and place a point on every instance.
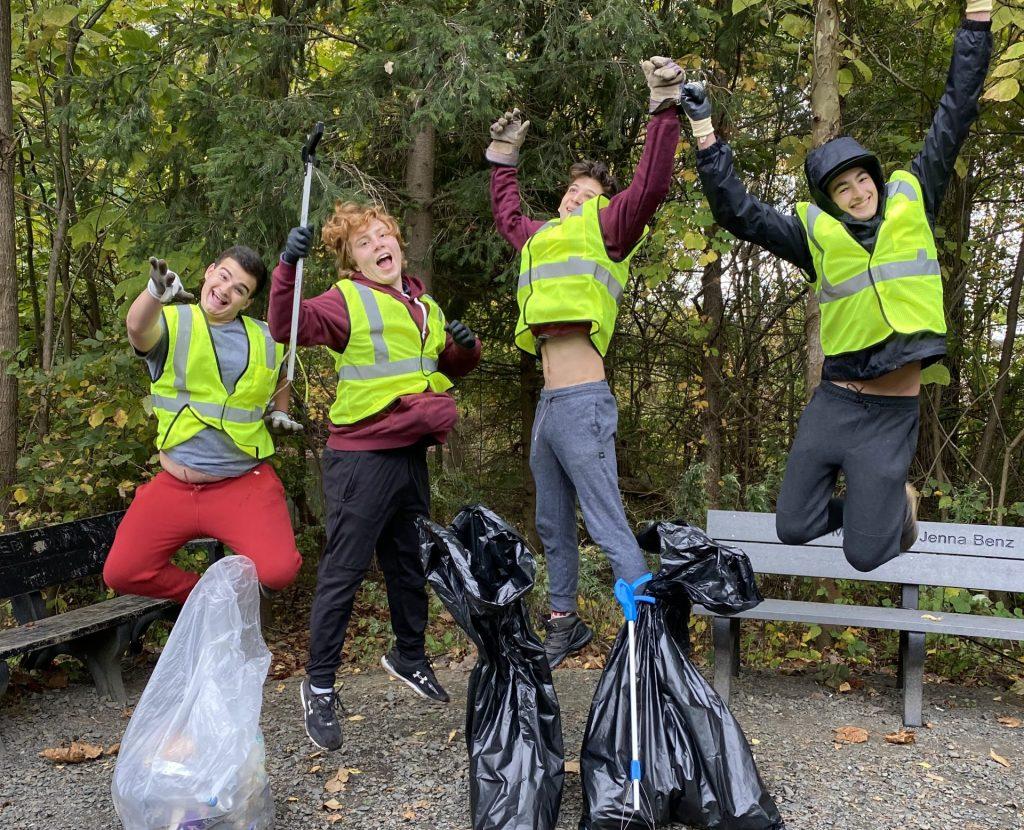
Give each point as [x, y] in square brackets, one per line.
[251, 262]
[597, 170]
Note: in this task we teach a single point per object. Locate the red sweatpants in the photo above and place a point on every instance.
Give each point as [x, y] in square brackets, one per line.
[248, 514]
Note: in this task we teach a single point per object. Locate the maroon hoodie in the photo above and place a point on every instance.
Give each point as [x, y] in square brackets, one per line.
[324, 321]
[622, 219]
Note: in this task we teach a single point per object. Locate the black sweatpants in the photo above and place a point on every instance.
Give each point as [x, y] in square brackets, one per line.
[372, 499]
[872, 439]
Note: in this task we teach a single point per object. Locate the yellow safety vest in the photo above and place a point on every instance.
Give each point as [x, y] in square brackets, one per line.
[190, 396]
[866, 297]
[387, 355]
[566, 276]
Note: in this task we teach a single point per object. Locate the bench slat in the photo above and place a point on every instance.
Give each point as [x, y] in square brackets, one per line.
[934, 537]
[61, 628]
[894, 619]
[909, 569]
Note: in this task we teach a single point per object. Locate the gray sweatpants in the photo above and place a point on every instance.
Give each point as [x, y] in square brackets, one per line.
[872, 440]
[572, 455]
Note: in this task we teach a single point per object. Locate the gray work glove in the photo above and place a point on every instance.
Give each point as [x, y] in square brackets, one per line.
[507, 135]
[279, 423]
[461, 334]
[697, 106]
[165, 285]
[299, 242]
[664, 78]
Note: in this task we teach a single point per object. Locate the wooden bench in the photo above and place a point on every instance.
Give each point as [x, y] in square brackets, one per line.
[945, 555]
[99, 634]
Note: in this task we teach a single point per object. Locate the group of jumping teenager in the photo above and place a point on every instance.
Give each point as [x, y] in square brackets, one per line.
[864, 241]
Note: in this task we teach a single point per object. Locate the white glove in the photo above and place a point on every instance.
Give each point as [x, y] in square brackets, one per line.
[279, 423]
[664, 79]
[165, 285]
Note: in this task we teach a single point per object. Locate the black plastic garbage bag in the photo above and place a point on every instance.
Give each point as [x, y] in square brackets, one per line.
[481, 569]
[711, 574]
[697, 766]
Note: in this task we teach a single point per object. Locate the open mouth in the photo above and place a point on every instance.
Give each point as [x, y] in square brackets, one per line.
[384, 262]
[217, 301]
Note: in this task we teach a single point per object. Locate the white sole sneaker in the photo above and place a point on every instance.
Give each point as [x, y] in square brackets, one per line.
[395, 674]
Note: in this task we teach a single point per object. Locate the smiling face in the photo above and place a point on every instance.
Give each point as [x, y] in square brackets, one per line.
[581, 190]
[377, 253]
[855, 192]
[227, 291]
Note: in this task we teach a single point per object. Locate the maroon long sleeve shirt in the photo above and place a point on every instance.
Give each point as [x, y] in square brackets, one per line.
[324, 321]
[624, 217]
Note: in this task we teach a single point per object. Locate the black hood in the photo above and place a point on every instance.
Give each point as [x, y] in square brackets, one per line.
[837, 156]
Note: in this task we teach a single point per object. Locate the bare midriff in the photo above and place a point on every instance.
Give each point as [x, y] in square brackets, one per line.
[902, 382]
[569, 360]
[186, 474]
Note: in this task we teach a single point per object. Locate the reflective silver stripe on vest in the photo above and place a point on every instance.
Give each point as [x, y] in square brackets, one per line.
[210, 410]
[181, 347]
[376, 321]
[391, 368]
[892, 188]
[271, 345]
[920, 267]
[813, 212]
[573, 267]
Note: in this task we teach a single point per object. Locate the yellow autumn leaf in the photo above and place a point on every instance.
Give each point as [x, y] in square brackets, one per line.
[120, 418]
[1005, 90]
[96, 418]
[21, 495]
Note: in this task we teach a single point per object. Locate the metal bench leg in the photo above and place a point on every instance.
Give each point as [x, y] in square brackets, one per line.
[5, 676]
[913, 678]
[102, 654]
[899, 660]
[725, 633]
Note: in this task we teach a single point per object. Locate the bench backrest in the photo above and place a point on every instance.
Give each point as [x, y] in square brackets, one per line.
[945, 555]
[31, 560]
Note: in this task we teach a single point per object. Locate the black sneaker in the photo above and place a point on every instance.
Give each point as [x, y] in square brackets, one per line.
[417, 675]
[909, 534]
[320, 714]
[566, 635]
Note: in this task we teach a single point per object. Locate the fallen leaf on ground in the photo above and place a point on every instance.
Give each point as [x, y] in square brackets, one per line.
[409, 814]
[845, 687]
[333, 817]
[755, 741]
[924, 765]
[74, 754]
[280, 687]
[904, 736]
[1010, 722]
[113, 749]
[333, 804]
[851, 735]
[356, 718]
[312, 769]
[932, 777]
[452, 734]
[572, 767]
[337, 783]
[999, 759]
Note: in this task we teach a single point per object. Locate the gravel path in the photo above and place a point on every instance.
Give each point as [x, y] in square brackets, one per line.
[411, 758]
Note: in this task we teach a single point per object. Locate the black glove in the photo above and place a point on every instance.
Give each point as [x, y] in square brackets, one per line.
[695, 101]
[298, 244]
[461, 334]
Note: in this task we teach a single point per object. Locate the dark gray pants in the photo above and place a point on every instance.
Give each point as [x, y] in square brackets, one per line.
[872, 439]
[372, 499]
[572, 455]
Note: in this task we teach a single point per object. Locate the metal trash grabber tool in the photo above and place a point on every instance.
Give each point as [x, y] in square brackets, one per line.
[625, 593]
[309, 157]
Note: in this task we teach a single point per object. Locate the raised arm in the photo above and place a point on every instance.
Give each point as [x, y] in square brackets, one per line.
[733, 207]
[323, 320]
[958, 107]
[143, 320]
[507, 136]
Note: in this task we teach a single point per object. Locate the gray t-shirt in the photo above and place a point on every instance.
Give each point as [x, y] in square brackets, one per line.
[210, 450]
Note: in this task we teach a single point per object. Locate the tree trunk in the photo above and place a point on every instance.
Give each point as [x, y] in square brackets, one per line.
[827, 117]
[30, 263]
[8, 271]
[994, 419]
[714, 312]
[419, 185]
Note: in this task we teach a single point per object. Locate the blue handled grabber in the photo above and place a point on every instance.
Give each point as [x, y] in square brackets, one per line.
[625, 593]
